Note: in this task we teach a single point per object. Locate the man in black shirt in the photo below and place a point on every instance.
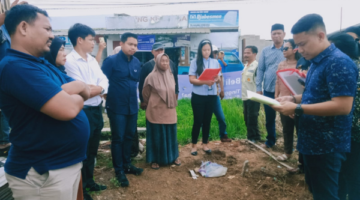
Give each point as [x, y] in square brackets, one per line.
[148, 67]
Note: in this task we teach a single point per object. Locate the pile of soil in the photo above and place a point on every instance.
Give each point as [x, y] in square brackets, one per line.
[265, 179]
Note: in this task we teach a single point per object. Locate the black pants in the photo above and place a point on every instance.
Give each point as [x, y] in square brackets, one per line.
[94, 115]
[251, 114]
[203, 109]
[349, 179]
[288, 132]
[301, 157]
[322, 174]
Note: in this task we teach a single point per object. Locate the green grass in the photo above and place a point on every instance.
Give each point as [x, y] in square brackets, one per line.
[233, 111]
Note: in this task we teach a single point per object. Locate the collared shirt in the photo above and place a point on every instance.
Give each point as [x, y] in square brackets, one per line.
[87, 71]
[123, 77]
[204, 90]
[248, 79]
[27, 83]
[332, 74]
[268, 64]
[148, 67]
[5, 43]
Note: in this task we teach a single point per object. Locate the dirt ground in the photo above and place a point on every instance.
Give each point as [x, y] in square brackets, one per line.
[265, 179]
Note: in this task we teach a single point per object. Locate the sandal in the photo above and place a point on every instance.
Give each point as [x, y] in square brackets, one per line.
[177, 164]
[152, 167]
[194, 153]
[282, 158]
[207, 151]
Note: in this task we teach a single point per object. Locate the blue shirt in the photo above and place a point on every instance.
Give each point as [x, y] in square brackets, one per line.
[6, 42]
[332, 74]
[269, 61]
[38, 141]
[203, 90]
[123, 77]
[222, 64]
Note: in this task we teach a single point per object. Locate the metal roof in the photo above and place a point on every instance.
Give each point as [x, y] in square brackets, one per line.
[141, 32]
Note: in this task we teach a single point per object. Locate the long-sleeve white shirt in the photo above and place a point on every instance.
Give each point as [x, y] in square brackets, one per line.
[87, 71]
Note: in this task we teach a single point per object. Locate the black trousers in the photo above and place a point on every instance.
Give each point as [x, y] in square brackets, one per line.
[288, 132]
[251, 114]
[203, 109]
[94, 115]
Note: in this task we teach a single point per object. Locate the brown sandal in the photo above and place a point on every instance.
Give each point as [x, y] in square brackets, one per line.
[156, 168]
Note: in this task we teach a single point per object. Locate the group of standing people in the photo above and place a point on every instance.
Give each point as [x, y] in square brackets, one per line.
[325, 116]
[57, 119]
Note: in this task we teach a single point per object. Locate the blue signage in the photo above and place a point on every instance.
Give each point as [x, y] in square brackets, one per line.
[67, 40]
[232, 85]
[145, 42]
[213, 19]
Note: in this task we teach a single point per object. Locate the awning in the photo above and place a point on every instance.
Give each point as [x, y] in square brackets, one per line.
[142, 32]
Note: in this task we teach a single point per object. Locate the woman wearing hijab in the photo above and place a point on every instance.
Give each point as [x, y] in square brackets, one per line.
[161, 130]
[57, 55]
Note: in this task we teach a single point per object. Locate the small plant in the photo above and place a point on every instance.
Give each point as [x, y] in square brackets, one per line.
[115, 182]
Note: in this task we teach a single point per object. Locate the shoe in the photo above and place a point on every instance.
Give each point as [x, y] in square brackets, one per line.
[96, 187]
[87, 196]
[124, 182]
[194, 153]
[131, 169]
[207, 151]
[225, 139]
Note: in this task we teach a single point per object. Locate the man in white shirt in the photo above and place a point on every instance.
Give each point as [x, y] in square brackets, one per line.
[251, 108]
[80, 65]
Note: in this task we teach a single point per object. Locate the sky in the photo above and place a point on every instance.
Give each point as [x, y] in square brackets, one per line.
[255, 16]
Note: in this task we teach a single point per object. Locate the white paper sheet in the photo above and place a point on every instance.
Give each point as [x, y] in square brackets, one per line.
[262, 99]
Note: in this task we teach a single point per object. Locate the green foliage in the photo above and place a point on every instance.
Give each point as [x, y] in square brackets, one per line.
[115, 182]
[233, 111]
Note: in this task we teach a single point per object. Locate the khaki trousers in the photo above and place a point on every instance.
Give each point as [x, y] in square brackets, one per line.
[60, 184]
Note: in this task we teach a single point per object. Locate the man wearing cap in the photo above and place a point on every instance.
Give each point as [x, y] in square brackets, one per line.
[269, 60]
[147, 68]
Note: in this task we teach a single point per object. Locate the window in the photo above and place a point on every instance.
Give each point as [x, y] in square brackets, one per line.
[231, 59]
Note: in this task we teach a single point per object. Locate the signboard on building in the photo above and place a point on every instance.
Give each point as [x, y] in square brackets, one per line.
[67, 40]
[147, 22]
[232, 85]
[145, 42]
[213, 19]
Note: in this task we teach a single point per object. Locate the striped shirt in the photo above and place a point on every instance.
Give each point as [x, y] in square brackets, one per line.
[268, 63]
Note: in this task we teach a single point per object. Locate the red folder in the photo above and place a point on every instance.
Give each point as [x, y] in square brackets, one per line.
[290, 79]
[209, 74]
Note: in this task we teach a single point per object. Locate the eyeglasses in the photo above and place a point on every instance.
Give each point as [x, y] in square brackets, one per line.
[285, 48]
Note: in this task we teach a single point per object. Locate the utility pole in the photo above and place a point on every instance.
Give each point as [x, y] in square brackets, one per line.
[341, 19]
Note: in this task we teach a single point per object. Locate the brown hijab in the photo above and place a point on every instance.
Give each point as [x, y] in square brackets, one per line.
[163, 82]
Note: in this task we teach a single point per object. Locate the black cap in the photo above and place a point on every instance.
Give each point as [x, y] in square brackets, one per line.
[157, 46]
[277, 27]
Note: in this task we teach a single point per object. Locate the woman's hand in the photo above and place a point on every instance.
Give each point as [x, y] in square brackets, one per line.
[209, 83]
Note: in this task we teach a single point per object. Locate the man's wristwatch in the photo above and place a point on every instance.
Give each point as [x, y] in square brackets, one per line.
[299, 111]
[102, 91]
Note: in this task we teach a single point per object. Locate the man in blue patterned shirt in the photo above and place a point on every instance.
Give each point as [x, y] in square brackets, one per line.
[269, 60]
[325, 109]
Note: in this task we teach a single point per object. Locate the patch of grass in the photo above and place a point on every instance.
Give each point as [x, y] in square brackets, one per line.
[115, 182]
[105, 160]
[233, 111]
